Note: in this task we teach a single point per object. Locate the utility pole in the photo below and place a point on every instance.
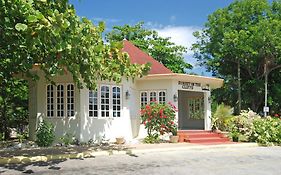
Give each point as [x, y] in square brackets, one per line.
[265, 109]
[239, 87]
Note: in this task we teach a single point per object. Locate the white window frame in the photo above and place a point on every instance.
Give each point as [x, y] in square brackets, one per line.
[120, 104]
[148, 95]
[93, 98]
[110, 86]
[66, 98]
[55, 100]
[147, 98]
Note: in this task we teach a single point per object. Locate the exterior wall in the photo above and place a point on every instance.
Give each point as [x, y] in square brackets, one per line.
[84, 127]
[167, 85]
[62, 125]
[110, 127]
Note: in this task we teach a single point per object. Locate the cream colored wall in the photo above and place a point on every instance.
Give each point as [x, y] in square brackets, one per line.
[110, 128]
[63, 125]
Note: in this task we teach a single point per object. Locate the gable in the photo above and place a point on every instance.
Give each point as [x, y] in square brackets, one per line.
[140, 57]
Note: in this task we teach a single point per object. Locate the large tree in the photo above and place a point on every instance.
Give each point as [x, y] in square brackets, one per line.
[243, 40]
[50, 34]
[162, 49]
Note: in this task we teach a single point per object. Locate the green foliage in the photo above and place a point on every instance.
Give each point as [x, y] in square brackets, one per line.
[221, 117]
[162, 49]
[242, 125]
[45, 134]
[67, 139]
[151, 139]
[245, 33]
[249, 126]
[159, 118]
[52, 36]
[267, 131]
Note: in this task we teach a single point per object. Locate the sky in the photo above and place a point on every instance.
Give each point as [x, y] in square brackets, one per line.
[177, 19]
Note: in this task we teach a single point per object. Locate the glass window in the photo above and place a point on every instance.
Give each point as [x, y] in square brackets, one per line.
[162, 97]
[50, 100]
[153, 96]
[116, 101]
[60, 101]
[93, 103]
[143, 98]
[70, 100]
[104, 97]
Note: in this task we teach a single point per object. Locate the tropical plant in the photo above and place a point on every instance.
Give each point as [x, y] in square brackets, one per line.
[159, 119]
[221, 117]
[267, 131]
[241, 44]
[52, 36]
[45, 134]
[67, 139]
[242, 125]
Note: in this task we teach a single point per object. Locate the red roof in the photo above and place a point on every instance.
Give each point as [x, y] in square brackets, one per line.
[140, 57]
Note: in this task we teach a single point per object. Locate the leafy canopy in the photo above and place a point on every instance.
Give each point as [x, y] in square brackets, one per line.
[247, 32]
[50, 34]
[161, 49]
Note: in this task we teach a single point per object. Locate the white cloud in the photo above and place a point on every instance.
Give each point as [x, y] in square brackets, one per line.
[181, 35]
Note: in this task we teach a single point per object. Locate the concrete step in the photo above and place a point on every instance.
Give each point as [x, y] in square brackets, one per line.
[207, 140]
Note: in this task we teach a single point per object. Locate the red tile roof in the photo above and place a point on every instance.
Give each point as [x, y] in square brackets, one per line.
[140, 57]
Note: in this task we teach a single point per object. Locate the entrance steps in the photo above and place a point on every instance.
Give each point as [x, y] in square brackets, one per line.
[202, 137]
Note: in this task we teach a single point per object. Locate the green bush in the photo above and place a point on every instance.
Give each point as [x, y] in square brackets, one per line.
[152, 139]
[159, 118]
[45, 134]
[67, 139]
[221, 117]
[249, 126]
[267, 131]
[242, 125]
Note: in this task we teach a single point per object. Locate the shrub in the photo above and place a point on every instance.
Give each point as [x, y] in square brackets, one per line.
[159, 119]
[242, 125]
[45, 134]
[68, 139]
[221, 117]
[267, 131]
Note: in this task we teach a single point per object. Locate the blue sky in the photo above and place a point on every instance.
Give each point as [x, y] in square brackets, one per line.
[177, 19]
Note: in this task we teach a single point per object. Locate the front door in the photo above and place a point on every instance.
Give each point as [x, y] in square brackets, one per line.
[191, 110]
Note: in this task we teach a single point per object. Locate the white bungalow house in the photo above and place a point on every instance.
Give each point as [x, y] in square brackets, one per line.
[113, 110]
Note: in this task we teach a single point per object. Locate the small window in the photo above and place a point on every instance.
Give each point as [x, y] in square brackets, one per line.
[153, 96]
[143, 98]
[162, 97]
[104, 94]
[70, 100]
[60, 101]
[93, 103]
[50, 100]
[116, 101]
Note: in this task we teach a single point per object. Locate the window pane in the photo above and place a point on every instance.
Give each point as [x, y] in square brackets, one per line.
[116, 101]
[60, 101]
[70, 100]
[50, 100]
[143, 98]
[104, 101]
[162, 97]
[93, 104]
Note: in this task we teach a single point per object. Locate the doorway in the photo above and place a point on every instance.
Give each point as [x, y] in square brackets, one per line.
[191, 110]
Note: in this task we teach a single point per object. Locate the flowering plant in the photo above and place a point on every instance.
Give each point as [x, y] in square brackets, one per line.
[159, 118]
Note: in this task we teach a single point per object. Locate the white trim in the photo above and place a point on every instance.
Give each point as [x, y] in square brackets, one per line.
[110, 86]
[148, 95]
[55, 116]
